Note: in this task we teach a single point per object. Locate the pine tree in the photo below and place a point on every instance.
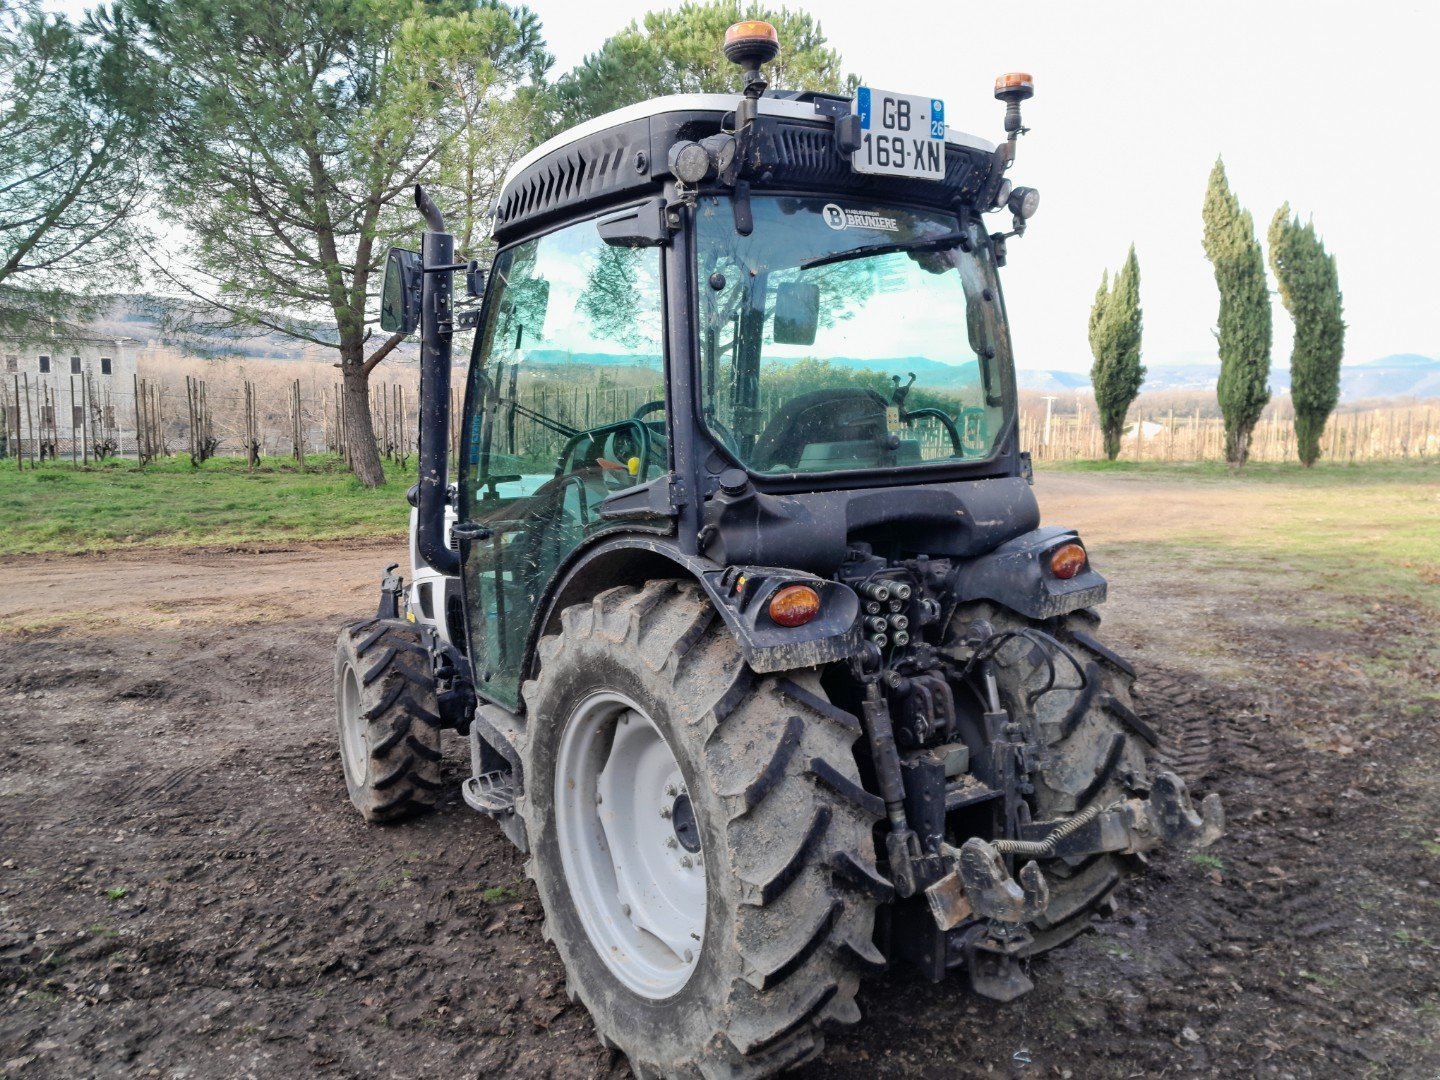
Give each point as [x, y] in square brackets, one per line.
[1310, 289]
[678, 52]
[1115, 331]
[1244, 334]
[290, 139]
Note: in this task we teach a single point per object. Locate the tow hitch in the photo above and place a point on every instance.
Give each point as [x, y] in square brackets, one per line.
[981, 891]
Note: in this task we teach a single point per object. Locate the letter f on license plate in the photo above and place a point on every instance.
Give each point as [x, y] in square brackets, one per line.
[900, 135]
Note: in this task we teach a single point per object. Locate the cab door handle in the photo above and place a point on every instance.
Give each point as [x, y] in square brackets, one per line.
[470, 530]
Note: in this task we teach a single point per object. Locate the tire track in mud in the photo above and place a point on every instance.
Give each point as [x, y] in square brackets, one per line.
[264, 930]
[1280, 923]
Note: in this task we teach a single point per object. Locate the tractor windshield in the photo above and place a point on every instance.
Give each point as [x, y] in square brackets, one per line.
[845, 335]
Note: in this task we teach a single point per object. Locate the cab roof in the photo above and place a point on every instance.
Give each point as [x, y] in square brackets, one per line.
[622, 155]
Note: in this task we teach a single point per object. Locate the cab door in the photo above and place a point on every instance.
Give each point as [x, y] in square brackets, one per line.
[565, 385]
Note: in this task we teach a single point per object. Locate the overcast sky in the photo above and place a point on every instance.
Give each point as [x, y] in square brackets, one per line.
[1332, 106]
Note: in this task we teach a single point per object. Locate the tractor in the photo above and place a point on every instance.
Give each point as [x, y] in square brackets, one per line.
[738, 589]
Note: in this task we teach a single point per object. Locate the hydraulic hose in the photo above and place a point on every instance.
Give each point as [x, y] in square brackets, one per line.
[1044, 849]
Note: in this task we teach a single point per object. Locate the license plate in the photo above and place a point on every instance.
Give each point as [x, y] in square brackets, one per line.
[900, 135]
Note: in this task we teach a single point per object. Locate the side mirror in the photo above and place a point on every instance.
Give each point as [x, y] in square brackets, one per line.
[797, 312]
[474, 280]
[400, 295]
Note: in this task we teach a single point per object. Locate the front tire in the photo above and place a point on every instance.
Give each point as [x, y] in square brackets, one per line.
[644, 701]
[388, 721]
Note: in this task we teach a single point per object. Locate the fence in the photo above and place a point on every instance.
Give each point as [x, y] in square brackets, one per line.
[160, 419]
[1384, 434]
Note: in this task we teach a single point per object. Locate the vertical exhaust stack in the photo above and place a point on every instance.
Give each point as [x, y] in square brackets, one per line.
[437, 255]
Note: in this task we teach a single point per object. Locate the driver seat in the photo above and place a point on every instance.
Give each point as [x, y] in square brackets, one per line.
[843, 414]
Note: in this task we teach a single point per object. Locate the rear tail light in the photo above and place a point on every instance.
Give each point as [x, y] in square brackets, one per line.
[794, 605]
[1067, 560]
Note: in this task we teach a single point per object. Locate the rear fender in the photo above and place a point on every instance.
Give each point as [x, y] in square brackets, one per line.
[741, 595]
[1017, 574]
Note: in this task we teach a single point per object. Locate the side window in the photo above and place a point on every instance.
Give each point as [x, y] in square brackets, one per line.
[44, 365]
[105, 365]
[572, 344]
[12, 363]
[74, 365]
[564, 408]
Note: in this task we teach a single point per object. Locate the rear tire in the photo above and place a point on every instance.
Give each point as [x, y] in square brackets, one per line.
[388, 721]
[1094, 749]
[783, 827]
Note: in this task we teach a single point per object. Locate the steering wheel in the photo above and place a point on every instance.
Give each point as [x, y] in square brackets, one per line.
[946, 420]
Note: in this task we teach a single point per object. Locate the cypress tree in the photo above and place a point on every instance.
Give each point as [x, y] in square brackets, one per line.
[1310, 289]
[1115, 330]
[1244, 333]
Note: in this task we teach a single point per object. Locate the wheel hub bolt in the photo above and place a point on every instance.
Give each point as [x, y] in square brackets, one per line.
[671, 789]
[665, 811]
[670, 841]
[686, 862]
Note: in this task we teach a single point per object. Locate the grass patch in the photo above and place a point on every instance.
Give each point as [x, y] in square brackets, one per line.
[116, 504]
[1324, 474]
[498, 894]
[1206, 861]
[1365, 530]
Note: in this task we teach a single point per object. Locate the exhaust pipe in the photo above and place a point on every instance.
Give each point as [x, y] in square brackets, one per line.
[437, 250]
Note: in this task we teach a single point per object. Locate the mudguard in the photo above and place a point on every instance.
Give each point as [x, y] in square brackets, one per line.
[741, 595]
[1017, 574]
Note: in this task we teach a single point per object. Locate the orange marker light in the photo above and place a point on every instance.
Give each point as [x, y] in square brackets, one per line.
[794, 605]
[751, 30]
[1067, 561]
[1015, 80]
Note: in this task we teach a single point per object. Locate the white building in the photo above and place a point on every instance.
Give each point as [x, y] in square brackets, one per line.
[68, 396]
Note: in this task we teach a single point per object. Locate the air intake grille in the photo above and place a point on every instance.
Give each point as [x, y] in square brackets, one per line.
[591, 170]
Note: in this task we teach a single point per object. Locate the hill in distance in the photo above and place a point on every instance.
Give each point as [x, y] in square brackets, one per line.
[1400, 375]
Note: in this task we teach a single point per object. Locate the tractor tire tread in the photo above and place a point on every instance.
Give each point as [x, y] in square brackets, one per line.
[791, 948]
[401, 771]
[1093, 748]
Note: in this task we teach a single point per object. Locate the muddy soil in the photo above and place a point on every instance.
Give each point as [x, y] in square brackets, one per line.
[185, 890]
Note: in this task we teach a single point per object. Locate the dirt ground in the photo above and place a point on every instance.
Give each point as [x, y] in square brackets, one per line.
[186, 892]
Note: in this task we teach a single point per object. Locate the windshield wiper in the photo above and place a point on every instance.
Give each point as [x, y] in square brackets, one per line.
[924, 243]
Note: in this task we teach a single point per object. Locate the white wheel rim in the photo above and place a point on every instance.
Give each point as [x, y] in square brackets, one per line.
[352, 729]
[629, 845]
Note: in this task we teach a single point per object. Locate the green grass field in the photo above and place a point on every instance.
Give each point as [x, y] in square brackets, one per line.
[1373, 526]
[58, 508]
[1369, 520]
